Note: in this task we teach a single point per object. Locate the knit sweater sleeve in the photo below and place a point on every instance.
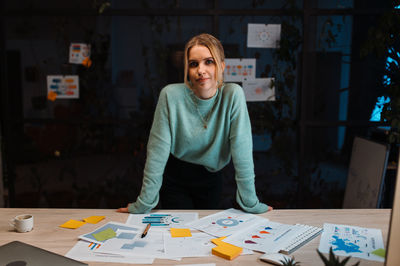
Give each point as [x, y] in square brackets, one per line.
[242, 154]
[158, 150]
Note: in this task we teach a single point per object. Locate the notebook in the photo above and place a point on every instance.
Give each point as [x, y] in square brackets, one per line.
[273, 237]
[19, 253]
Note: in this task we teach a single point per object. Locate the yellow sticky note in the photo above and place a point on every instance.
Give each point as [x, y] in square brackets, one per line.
[225, 250]
[94, 219]
[180, 232]
[218, 241]
[72, 224]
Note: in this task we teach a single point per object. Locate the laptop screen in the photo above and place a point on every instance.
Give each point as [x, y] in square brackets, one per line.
[393, 245]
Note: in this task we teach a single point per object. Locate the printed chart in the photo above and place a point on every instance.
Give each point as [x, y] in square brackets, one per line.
[129, 244]
[78, 52]
[263, 35]
[226, 222]
[63, 87]
[85, 251]
[239, 69]
[265, 236]
[257, 90]
[111, 226]
[162, 220]
[354, 241]
[273, 237]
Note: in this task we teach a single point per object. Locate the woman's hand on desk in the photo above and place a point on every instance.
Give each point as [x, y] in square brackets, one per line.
[126, 210]
[123, 209]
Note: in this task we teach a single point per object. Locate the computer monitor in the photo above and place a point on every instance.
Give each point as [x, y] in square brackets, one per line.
[393, 243]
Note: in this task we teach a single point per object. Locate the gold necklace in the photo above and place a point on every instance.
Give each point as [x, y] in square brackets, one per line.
[205, 119]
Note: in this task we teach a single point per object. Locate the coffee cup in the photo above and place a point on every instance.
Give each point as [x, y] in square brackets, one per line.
[22, 223]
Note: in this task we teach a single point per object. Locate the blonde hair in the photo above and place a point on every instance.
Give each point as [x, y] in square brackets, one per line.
[216, 50]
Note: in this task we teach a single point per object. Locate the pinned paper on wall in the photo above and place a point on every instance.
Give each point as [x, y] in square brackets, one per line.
[263, 35]
[258, 90]
[79, 53]
[239, 69]
[62, 87]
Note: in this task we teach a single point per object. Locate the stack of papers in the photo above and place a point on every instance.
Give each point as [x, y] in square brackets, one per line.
[171, 236]
[178, 235]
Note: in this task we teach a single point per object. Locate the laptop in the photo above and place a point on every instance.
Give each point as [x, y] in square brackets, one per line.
[393, 244]
[17, 253]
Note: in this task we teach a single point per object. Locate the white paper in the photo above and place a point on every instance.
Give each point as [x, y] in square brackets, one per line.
[270, 237]
[258, 90]
[84, 251]
[226, 222]
[66, 87]
[198, 245]
[162, 220]
[151, 246]
[78, 52]
[115, 227]
[352, 241]
[239, 69]
[263, 35]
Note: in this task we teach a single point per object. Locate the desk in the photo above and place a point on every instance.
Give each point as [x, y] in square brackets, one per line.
[48, 235]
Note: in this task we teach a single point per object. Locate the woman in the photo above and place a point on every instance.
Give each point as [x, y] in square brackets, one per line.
[198, 126]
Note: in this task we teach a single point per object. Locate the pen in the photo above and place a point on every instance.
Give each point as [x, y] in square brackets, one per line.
[146, 230]
[282, 234]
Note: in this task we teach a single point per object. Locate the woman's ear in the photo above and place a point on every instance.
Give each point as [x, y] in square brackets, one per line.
[223, 66]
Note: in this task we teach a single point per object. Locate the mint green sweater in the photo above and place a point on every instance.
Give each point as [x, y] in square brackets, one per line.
[178, 129]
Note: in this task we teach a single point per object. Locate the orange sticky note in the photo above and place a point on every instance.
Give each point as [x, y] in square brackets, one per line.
[72, 224]
[94, 219]
[52, 96]
[225, 250]
[218, 241]
[180, 232]
[87, 62]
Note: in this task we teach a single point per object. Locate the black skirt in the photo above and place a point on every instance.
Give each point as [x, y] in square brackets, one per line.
[190, 186]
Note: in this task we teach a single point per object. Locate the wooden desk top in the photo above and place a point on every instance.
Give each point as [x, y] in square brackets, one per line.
[48, 235]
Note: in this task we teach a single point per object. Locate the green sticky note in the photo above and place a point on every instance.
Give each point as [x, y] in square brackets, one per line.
[379, 252]
[104, 235]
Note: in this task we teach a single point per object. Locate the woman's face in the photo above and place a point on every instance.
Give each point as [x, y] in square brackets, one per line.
[202, 68]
